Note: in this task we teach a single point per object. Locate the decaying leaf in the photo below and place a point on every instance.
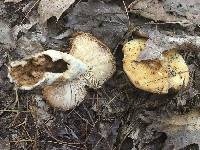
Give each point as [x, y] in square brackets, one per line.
[50, 8]
[22, 28]
[152, 9]
[184, 12]
[40, 112]
[181, 130]
[27, 46]
[106, 21]
[14, 1]
[6, 38]
[156, 76]
[159, 43]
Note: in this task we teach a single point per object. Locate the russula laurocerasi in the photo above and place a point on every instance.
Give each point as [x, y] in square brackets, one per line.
[64, 76]
[155, 76]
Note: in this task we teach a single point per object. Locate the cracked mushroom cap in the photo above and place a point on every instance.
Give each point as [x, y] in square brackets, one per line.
[96, 55]
[156, 76]
[43, 69]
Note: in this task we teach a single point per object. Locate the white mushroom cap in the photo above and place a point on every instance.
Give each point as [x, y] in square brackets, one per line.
[96, 55]
[156, 76]
[65, 95]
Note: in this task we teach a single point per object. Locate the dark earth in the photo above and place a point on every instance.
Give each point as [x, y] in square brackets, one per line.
[118, 115]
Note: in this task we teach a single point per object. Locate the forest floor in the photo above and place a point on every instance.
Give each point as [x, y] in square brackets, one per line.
[117, 115]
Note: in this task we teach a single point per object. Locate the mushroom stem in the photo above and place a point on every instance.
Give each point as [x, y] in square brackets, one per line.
[76, 67]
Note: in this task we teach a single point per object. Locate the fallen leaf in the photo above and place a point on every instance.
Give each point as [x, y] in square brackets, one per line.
[50, 8]
[151, 9]
[181, 130]
[5, 35]
[184, 12]
[40, 112]
[158, 43]
[107, 21]
[14, 1]
[28, 46]
[22, 28]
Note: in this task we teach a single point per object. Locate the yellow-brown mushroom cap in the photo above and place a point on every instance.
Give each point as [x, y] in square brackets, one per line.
[156, 76]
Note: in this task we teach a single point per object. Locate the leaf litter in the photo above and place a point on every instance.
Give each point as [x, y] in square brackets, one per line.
[183, 12]
[104, 20]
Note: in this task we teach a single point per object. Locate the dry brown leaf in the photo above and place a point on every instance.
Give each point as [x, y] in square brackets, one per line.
[154, 11]
[49, 8]
[14, 1]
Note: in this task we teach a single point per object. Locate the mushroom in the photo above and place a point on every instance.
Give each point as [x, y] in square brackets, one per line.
[63, 76]
[100, 67]
[155, 76]
[44, 68]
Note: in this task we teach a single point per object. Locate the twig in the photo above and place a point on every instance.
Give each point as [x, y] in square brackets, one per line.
[83, 118]
[88, 113]
[97, 143]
